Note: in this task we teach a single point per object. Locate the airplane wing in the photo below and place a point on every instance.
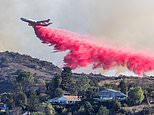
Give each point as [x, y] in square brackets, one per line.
[27, 20]
[43, 21]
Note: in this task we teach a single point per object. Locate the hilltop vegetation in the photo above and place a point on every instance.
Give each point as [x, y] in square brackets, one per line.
[26, 84]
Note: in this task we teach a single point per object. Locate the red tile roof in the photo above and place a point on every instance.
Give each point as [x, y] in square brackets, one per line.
[72, 98]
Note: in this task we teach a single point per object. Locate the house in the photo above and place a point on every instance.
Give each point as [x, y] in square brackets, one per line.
[65, 99]
[3, 107]
[109, 94]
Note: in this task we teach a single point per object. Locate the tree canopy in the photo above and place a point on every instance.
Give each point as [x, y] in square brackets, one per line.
[122, 86]
[136, 95]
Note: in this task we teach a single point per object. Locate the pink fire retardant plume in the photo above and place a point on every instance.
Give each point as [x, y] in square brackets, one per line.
[82, 53]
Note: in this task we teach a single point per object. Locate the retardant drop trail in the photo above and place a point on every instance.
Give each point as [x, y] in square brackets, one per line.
[83, 53]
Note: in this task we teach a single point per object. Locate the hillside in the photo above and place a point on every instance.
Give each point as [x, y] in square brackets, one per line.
[10, 62]
[85, 85]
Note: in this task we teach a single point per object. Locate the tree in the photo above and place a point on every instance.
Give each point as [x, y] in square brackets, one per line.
[33, 102]
[88, 108]
[58, 92]
[91, 92]
[54, 84]
[23, 80]
[94, 83]
[43, 97]
[57, 81]
[83, 84]
[49, 110]
[103, 111]
[24, 77]
[67, 72]
[66, 78]
[90, 87]
[81, 110]
[21, 100]
[131, 85]
[50, 88]
[8, 100]
[136, 95]
[122, 86]
[67, 83]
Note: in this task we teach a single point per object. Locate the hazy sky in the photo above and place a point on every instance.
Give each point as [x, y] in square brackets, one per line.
[120, 22]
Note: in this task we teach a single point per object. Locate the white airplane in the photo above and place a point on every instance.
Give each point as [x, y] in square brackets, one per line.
[36, 23]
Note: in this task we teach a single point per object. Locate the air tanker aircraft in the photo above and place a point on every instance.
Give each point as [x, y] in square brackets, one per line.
[36, 23]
